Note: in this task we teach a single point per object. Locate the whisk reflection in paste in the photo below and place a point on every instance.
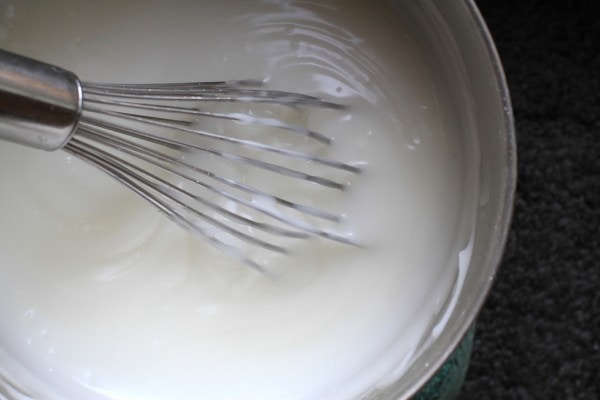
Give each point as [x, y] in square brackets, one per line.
[147, 137]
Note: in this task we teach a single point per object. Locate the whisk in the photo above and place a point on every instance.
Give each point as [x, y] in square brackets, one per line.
[150, 137]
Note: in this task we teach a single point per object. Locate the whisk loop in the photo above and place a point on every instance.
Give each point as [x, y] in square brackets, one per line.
[121, 123]
[173, 145]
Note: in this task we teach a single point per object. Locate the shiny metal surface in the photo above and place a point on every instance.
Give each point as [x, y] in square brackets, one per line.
[40, 104]
[460, 45]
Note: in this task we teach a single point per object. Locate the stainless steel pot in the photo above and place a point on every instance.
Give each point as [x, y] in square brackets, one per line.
[459, 44]
[467, 68]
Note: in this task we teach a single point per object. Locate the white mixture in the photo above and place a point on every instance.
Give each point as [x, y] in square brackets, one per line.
[101, 297]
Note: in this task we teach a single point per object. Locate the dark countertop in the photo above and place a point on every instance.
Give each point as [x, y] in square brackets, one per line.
[538, 335]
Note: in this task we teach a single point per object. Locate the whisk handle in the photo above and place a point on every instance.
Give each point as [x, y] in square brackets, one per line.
[40, 104]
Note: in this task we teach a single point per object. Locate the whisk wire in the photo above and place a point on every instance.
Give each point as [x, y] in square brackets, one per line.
[172, 124]
[120, 143]
[151, 156]
[279, 169]
[237, 117]
[141, 187]
[223, 91]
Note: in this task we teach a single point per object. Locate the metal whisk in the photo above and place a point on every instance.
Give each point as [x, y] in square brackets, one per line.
[152, 139]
